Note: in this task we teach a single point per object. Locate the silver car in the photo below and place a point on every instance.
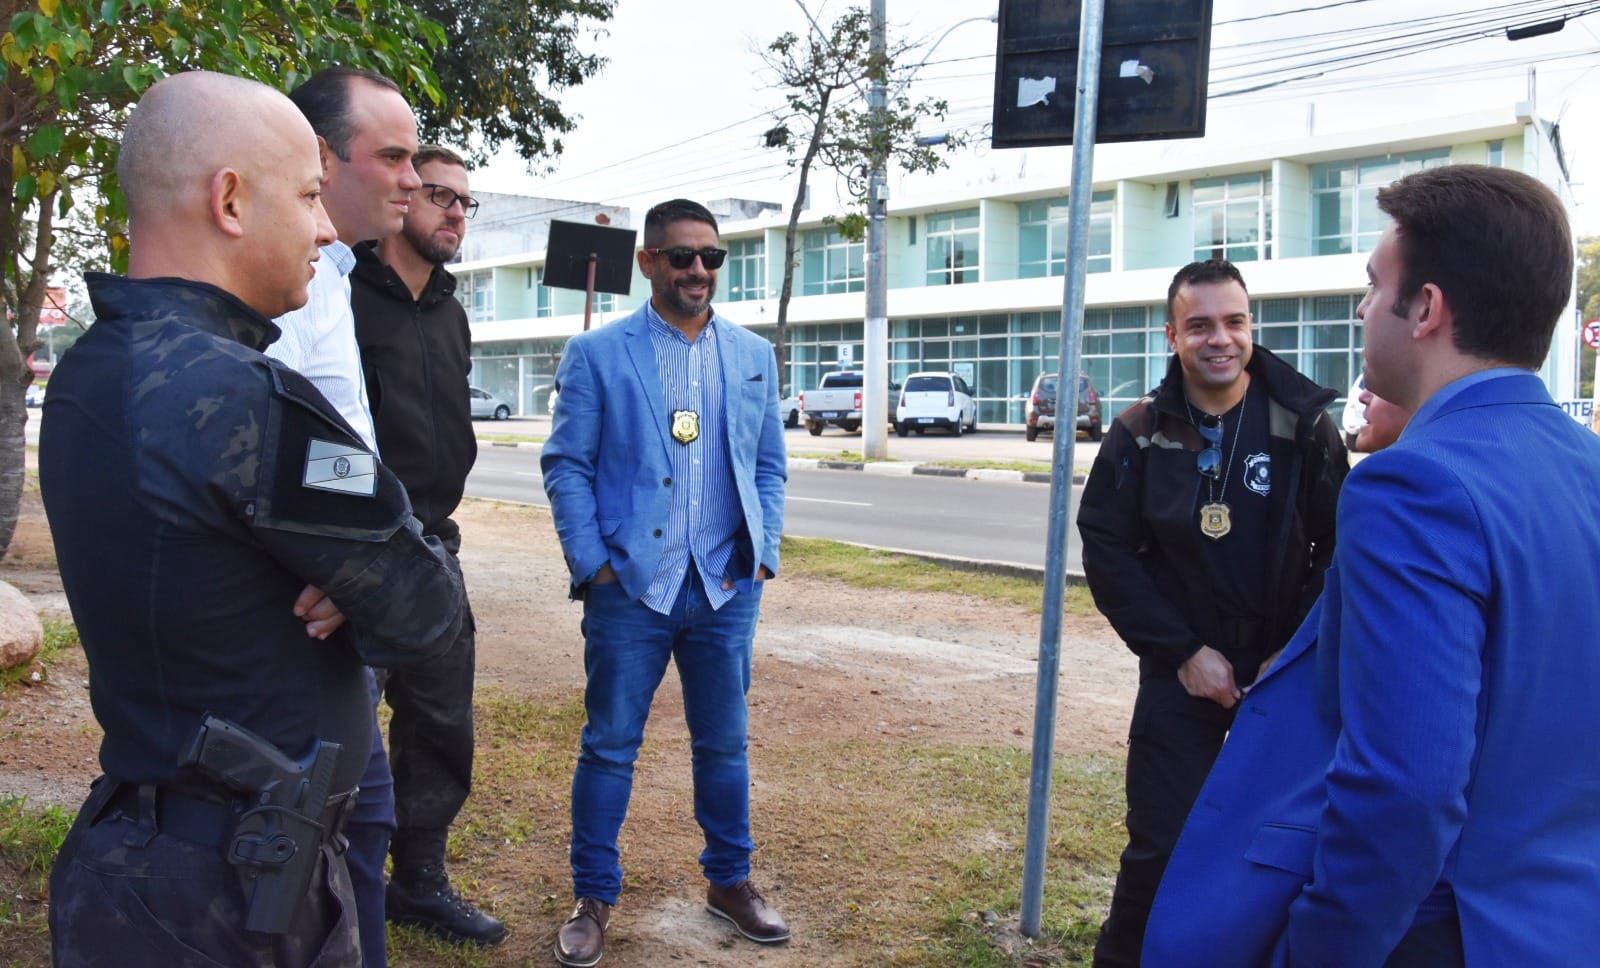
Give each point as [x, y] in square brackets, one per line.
[486, 405]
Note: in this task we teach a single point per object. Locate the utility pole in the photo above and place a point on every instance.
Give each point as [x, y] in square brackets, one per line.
[875, 372]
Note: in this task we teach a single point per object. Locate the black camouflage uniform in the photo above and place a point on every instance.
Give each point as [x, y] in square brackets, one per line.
[194, 487]
[415, 357]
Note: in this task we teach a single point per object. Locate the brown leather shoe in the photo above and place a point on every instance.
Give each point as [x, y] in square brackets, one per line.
[582, 940]
[747, 909]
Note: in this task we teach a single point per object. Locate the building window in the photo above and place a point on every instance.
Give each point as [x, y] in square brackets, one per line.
[952, 247]
[541, 302]
[1233, 218]
[605, 302]
[745, 272]
[476, 292]
[1042, 236]
[1497, 154]
[830, 263]
[1344, 198]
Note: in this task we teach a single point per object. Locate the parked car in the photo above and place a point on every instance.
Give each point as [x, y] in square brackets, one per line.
[1041, 407]
[487, 405]
[935, 399]
[837, 401]
[789, 408]
[35, 396]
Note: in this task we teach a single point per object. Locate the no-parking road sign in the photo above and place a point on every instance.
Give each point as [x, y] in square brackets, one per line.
[1591, 333]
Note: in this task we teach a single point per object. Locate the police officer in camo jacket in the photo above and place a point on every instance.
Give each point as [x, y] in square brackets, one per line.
[232, 554]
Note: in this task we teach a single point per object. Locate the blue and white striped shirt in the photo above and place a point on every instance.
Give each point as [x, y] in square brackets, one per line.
[705, 517]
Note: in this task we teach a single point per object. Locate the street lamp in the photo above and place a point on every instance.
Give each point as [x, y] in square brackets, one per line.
[875, 398]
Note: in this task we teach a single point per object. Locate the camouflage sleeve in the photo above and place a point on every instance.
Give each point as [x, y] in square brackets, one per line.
[334, 516]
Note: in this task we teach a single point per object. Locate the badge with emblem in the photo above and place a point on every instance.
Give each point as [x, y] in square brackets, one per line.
[1258, 473]
[1215, 520]
[341, 468]
[685, 426]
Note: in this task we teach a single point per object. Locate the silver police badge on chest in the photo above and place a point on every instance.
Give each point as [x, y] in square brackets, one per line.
[685, 426]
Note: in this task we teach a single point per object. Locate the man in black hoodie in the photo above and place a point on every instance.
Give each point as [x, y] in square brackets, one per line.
[415, 355]
[1207, 524]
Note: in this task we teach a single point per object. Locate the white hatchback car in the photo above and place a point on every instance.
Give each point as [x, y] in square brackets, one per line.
[935, 399]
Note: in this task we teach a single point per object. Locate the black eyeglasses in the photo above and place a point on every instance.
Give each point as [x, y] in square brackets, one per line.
[445, 197]
[682, 257]
[1209, 463]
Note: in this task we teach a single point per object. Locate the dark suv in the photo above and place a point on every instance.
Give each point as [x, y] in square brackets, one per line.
[1041, 407]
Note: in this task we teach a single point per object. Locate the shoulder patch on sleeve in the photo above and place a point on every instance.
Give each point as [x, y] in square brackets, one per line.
[340, 467]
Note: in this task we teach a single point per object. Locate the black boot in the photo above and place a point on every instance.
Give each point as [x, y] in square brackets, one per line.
[421, 897]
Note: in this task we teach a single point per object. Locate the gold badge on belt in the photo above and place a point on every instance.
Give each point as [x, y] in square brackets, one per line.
[685, 426]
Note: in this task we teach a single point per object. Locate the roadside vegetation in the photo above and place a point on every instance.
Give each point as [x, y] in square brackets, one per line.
[907, 853]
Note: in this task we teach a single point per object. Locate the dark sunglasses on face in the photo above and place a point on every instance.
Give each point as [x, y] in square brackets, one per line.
[446, 197]
[1209, 461]
[682, 257]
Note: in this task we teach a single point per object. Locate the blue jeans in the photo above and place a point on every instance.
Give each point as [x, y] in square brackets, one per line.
[625, 652]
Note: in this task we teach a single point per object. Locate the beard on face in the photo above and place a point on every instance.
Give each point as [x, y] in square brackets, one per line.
[429, 246]
[673, 296]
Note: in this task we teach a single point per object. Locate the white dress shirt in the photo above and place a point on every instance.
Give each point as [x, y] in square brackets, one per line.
[319, 340]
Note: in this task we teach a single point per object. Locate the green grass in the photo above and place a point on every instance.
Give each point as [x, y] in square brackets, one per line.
[927, 844]
[511, 438]
[59, 636]
[29, 839]
[870, 568]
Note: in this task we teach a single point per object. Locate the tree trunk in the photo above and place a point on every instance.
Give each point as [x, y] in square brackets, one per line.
[15, 375]
[818, 129]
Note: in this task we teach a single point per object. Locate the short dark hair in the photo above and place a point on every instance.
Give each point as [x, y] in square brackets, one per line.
[325, 101]
[427, 153]
[1209, 272]
[677, 210]
[1497, 243]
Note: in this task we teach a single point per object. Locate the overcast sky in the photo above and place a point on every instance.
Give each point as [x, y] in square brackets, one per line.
[682, 105]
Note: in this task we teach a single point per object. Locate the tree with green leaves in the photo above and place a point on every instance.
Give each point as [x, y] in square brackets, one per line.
[825, 117]
[73, 70]
[502, 67]
[1588, 308]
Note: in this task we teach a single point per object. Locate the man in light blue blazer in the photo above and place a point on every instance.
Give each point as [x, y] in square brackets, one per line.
[1414, 783]
[665, 469]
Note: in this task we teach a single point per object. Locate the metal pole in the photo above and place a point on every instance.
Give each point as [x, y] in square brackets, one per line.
[875, 379]
[1055, 568]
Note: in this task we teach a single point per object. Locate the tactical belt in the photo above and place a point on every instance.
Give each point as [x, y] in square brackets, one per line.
[209, 823]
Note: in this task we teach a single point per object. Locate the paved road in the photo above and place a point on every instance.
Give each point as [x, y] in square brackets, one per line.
[883, 505]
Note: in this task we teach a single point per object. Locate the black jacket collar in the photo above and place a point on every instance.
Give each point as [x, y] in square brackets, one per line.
[198, 304]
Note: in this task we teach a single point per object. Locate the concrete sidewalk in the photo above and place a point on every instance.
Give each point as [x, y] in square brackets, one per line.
[837, 450]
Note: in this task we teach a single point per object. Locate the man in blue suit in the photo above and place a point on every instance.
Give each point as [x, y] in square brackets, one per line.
[1413, 782]
[665, 469]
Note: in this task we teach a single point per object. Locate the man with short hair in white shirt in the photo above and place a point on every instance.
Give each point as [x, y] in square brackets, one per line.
[366, 134]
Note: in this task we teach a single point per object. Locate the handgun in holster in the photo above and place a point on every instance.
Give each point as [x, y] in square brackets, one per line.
[279, 836]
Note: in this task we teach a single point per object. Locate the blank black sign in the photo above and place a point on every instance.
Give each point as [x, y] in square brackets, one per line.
[1153, 64]
[566, 259]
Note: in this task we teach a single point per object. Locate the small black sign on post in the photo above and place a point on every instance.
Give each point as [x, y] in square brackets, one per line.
[1154, 60]
[593, 258]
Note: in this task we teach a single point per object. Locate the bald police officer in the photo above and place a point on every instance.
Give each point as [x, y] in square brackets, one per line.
[216, 522]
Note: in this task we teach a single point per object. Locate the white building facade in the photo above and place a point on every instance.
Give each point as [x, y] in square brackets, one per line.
[975, 272]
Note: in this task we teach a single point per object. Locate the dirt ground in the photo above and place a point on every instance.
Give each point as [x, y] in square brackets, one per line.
[832, 663]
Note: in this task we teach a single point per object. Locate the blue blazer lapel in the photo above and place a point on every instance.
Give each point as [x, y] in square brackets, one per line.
[732, 374]
[642, 355]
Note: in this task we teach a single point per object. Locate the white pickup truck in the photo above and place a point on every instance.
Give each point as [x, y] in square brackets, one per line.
[838, 401]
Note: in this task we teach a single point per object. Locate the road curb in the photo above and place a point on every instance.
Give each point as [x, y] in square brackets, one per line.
[867, 467]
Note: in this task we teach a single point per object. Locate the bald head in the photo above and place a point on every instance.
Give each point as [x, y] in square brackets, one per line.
[223, 183]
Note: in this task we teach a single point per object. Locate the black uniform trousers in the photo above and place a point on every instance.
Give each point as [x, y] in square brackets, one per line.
[1172, 742]
[431, 745]
[124, 891]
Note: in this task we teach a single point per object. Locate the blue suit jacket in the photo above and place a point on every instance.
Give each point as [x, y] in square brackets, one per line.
[606, 466]
[1434, 721]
